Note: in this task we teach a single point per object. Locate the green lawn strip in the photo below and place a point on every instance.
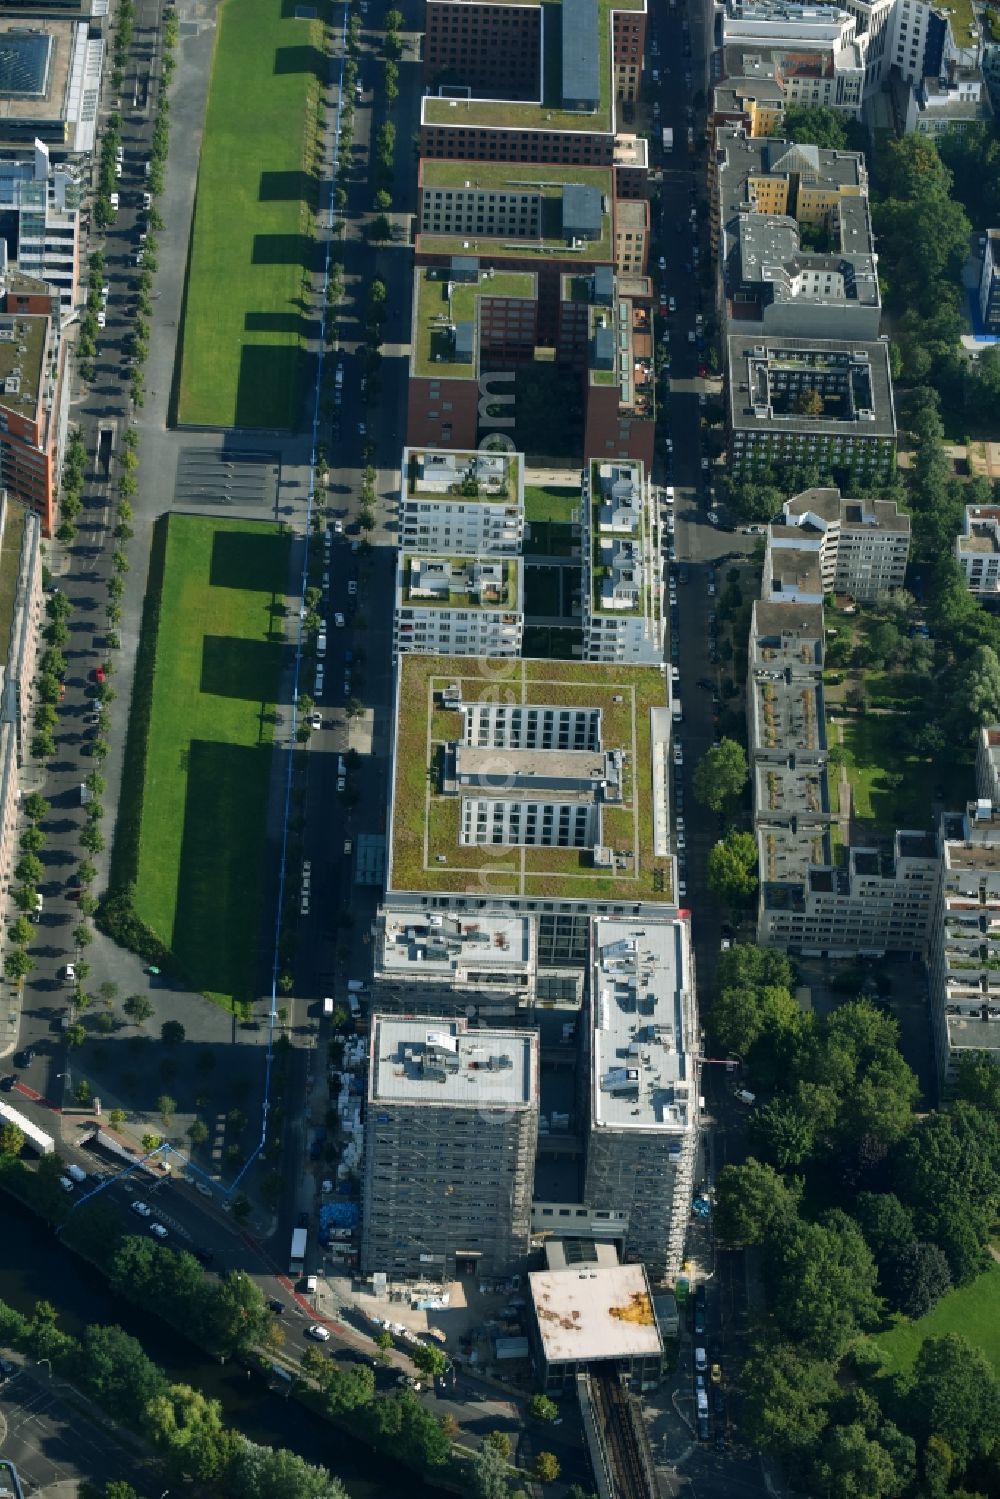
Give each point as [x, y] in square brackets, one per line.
[549, 502]
[242, 362]
[208, 748]
[971, 1311]
[875, 761]
[542, 591]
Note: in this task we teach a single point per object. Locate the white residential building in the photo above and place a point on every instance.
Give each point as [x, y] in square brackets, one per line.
[977, 550]
[622, 566]
[862, 545]
[40, 220]
[965, 945]
[643, 1077]
[465, 502]
[459, 606]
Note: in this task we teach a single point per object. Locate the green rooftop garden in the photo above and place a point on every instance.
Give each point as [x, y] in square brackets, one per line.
[10, 572]
[461, 598]
[432, 352]
[425, 852]
[496, 176]
[549, 115]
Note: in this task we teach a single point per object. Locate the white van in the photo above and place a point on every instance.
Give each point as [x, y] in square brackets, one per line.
[328, 1006]
[321, 644]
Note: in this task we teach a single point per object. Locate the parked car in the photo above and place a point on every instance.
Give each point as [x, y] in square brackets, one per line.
[142, 1208]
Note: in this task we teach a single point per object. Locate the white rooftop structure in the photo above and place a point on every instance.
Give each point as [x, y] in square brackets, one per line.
[644, 1027]
[446, 944]
[598, 1312]
[416, 1062]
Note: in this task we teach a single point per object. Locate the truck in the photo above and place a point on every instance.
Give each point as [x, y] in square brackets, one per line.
[297, 1258]
[668, 141]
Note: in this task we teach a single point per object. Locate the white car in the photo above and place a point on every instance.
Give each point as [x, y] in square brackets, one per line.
[678, 753]
[105, 293]
[147, 201]
[316, 720]
[68, 974]
[158, 1230]
[662, 262]
[668, 494]
[102, 320]
[352, 588]
[114, 202]
[66, 1184]
[142, 1208]
[675, 673]
[318, 1333]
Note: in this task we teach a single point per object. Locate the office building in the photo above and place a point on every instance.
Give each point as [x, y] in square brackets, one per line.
[643, 1085]
[40, 221]
[794, 239]
[862, 546]
[553, 217]
[610, 319]
[749, 95]
[965, 941]
[793, 401]
[50, 83]
[21, 617]
[34, 394]
[989, 282]
[450, 1134]
[544, 108]
[597, 1318]
[988, 764]
[977, 550]
[622, 569]
[458, 606]
[469, 502]
[516, 792]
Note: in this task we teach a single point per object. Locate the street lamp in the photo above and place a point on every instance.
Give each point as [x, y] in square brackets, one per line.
[47, 1362]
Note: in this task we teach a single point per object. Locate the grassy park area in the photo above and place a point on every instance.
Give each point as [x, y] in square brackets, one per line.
[971, 1311]
[200, 777]
[241, 352]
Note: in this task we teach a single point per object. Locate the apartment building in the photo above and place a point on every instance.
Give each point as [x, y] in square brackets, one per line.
[958, 100]
[632, 237]
[989, 282]
[792, 401]
[818, 57]
[458, 606]
[794, 238]
[40, 221]
[622, 590]
[51, 83]
[450, 1134]
[818, 893]
[510, 795]
[977, 550]
[748, 95]
[965, 940]
[469, 502]
[561, 111]
[21, 617]
[34, 394]
[862, 546]
[643, 1085]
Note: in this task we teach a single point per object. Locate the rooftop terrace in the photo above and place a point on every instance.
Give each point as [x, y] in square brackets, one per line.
[460, 582]
[424, 842]
[433, 312]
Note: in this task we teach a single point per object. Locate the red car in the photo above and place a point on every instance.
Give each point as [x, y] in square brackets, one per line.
[99, 674]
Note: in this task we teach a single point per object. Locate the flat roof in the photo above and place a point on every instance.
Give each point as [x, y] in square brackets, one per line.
[14, 515]
[444, 944]
[549, 115]
[600, 1312]
[35, 59]
[548, 181]
[23, 340]
[416, 568]
[853, 373]
[463, 476]
[425, 852]
[643, 1074]
[436, 1061]
[433, 311]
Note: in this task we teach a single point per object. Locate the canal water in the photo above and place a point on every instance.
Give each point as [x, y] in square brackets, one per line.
[34, 1266]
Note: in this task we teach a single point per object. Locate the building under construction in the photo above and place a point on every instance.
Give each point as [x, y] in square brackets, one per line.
[450, 1137]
